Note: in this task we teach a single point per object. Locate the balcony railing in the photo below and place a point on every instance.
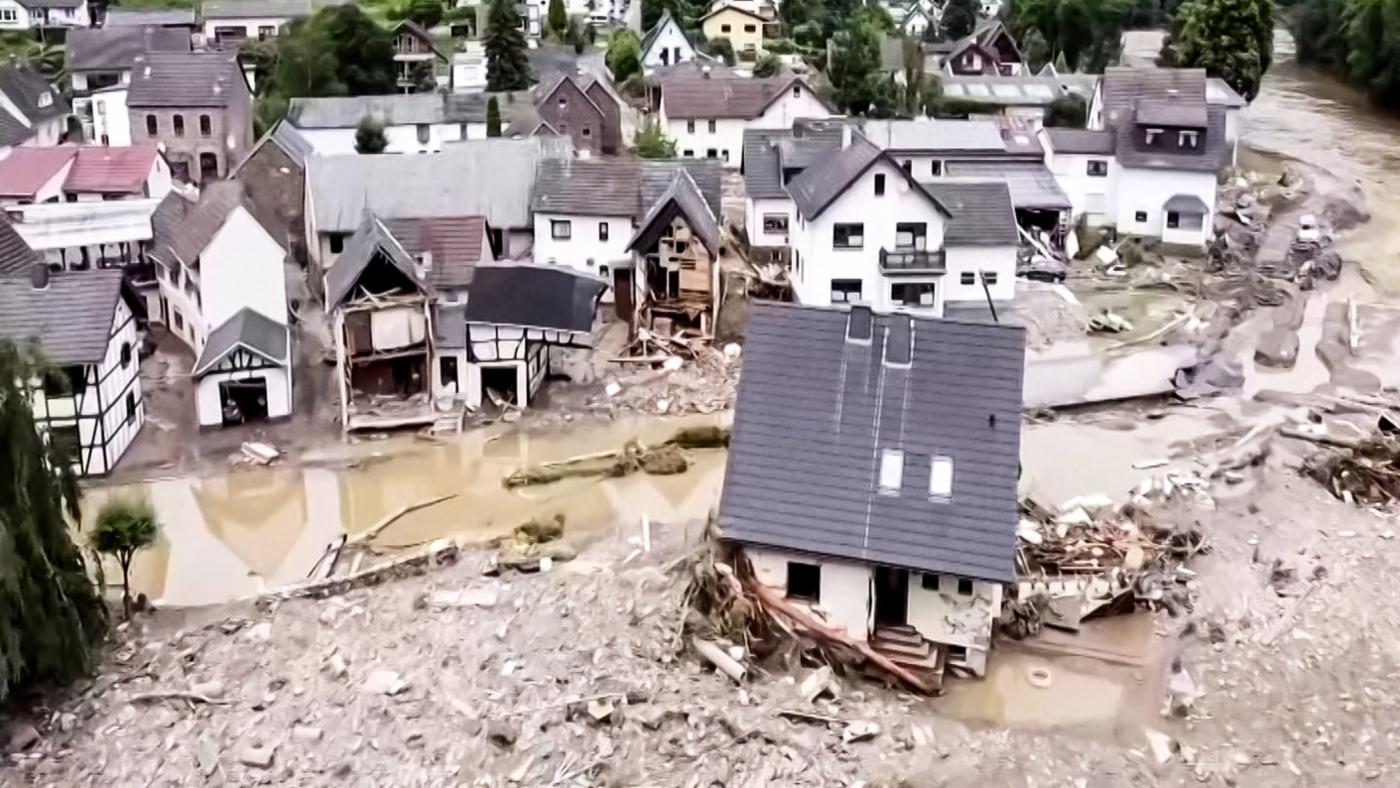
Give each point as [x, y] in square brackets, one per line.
[913, 261]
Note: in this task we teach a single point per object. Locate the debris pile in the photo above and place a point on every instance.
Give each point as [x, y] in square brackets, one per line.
[533, 546]
[1368, 472]
[663, 459]
[680, 375]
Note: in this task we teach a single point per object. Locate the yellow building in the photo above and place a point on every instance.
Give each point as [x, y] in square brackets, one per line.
[743, 28]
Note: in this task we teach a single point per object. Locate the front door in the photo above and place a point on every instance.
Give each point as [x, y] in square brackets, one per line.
[891, 596]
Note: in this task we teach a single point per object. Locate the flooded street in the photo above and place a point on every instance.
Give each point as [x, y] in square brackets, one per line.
[234, 534]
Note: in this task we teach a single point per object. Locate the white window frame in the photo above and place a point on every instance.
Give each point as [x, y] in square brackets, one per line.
[891, 471]
[1188, 139]
[561, 229]
[940, 477]
[1096, 168]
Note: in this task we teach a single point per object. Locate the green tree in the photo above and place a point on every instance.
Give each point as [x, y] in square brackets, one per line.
[959, 18]
[369, 135]
[1230, 39]
[874, 17]
[719, 47]
[768, 65]
[1087, 34]
[493, 117]
[507, 66]
[557, 19]
[124, 528]
[624, 55]
[651, 142]
[426, 13]
[1067, 111]
[363, 49]
[854, 68]
[575, 36]
[50, 611]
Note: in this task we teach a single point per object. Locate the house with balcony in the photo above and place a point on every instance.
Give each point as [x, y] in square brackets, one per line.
[866, 230]
[872, 475]
[705, 111]
[413, 123]
[223, 293]
[99, 61]
[420, 65]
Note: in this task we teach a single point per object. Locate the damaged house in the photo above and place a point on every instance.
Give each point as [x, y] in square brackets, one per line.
[872, 474]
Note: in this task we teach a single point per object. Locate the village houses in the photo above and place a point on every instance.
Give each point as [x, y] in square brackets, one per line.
[666, 44]
[413, 123]
[742, 26]
[177, 18]
[584, 109]
[32, 113]
[99, 62]
[420, 64]
[232, 21]
[274, 177]
[196, 104]
[42, 14]
[706, 113]
[872, 474]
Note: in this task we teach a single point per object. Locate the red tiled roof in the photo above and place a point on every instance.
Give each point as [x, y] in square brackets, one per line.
[26, 170]
[455, 243]
[108, 170]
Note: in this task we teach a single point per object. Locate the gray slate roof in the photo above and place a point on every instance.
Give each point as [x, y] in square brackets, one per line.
[114, 48]
[1167, 97]
[372, 240]
[763, 161]
[24, 86]
[591, 187]
[401, 109]
[818, 186]
[815, 412]
[490, 178]
[935, 136]
[181, 229]
[705, 174]
[534, 295]
[187, 79]
[982, 213]
[248, 329]
[720, 97]
[1031, 184]
[681, 196]
[249, 9]
[1081, 141]
[15, 254]
[71, 318]
[149, 17]
[1124, 85]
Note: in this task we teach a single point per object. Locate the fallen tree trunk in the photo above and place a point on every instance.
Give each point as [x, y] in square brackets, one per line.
[374, 531]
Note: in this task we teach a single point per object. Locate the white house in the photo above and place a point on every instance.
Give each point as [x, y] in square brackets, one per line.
[111, 123]
[469, 68]
[86, 323]
[37, 14]
[665, 44]
[32, 112]
[413, 123]
[1084, 164]
[867, 231]
[872, 475]
[223, 293]
[238, 20]
[706, 114]
[772, 158]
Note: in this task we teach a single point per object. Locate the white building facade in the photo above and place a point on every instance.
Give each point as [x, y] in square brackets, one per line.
[706, 117]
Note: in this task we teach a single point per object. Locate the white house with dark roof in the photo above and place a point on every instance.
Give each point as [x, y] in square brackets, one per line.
[413, 123]
[772, 158]
[706, 113]
[39, 14]
[32, 112]
[872, 475]
[223, 293]
[665, 44]
[239, 20]
[90, 406]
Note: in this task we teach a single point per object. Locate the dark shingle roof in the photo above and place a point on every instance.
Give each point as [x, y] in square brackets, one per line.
[982, 213]
[1032, 185]
[456, 244]
[181, 229]
[1123, 85]
[369, 242]
[1082, 141]
[15, 254]
[71, 318]
[24, 87]
[149, 17]
[763, 163]
[1214, 152]
[186, 79]
[399, 109]
[12, 131]
[285, 136]
[816, 187]
[591, 187]
[815, 412]
[657, 176]
[720, 97]
[248, 329]
[534, 295]
[108, 48]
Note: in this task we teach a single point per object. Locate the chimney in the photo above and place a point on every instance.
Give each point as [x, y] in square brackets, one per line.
[859, 323]
[39, 276]
[705, 72]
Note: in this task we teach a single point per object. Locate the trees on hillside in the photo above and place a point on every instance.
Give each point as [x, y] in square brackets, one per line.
[50, 610]
[1230, 39]
[960, 18]
[507, 66]
[1086, 33]
[624, 55]
[1359, 39]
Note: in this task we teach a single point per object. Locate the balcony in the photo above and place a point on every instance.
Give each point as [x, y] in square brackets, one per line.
[913, 261]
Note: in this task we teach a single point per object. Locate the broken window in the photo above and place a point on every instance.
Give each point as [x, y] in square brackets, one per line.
[845, 291]
[804, 581]
[929, 582]
[940, 477]
[891, 471]
[1098, 168]
[964, 586]
[447, 372]
[775, 223]
[848, 236]
[879, 184]
[561, 229]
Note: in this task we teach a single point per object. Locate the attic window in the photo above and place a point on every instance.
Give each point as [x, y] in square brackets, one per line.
[1152, 135]
[1098, 168]
[1187, 139]
[879, 184]
[891, 471]
[45, 99]
[940, 477]
[563, 102]
[796, 91]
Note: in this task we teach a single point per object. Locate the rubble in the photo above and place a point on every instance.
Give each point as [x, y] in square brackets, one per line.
[1366, 472]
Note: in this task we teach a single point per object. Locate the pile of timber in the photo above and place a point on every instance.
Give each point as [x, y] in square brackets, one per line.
[663, 459]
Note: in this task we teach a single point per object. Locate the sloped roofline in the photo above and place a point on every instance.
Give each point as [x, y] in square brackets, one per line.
[883, 155]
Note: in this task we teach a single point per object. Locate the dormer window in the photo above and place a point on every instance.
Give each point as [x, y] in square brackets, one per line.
[1188, 139]
[940, 477]
[891, 471]
[45, 100]
[1152, 136]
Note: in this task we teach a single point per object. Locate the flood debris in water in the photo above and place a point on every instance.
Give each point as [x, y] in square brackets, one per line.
[531, 545]
[663, 459]
[1367, 472]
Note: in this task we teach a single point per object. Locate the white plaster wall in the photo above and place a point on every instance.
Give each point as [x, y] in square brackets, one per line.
[727, 136]
[1148, 190]
[401, 138]
[16, 16]
[757, 209]
[844, 598]
[279, 394]
[945, 616]
[1089, 196]
[250, 26]
[195, 332]
[109, 117]
[671, 41]
[975, 259]
[821, 263]
[798, 102]
[583, 245]
[242, 267]
[158, 179]
[118, 384]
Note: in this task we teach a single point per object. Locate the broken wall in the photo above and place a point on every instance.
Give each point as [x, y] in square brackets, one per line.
[844, 598]
[954, 619]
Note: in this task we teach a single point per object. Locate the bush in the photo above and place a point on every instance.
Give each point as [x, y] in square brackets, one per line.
[1067, 111]
[767, 66]
[624, 56]
[720, 48]
[780, 46]
[635, 86]
[947, 107]
[651, 142]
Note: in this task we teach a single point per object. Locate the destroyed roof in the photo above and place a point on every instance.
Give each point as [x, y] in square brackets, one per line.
[682, 198]
[815, 411]
[720, 97]
[1032, 185]
[248, 329]
[1025, 90]
[71, 318]
[1082, 141]
[186, 79]
[455, 244]
[399, 109]
[534, 295]
[368, 242]
[935, 135]
[182, 228]
[818, 186]
[286, 137]
[148, 17]
[490, 178]
[114, 48]
[982, 212]
[15, 254]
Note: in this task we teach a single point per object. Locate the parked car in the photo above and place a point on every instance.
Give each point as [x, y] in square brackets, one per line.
[1039, 268]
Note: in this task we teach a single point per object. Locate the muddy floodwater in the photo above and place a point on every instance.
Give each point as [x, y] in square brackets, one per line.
[234, 534]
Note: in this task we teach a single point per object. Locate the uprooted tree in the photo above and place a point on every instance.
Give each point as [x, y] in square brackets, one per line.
[51, 613]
